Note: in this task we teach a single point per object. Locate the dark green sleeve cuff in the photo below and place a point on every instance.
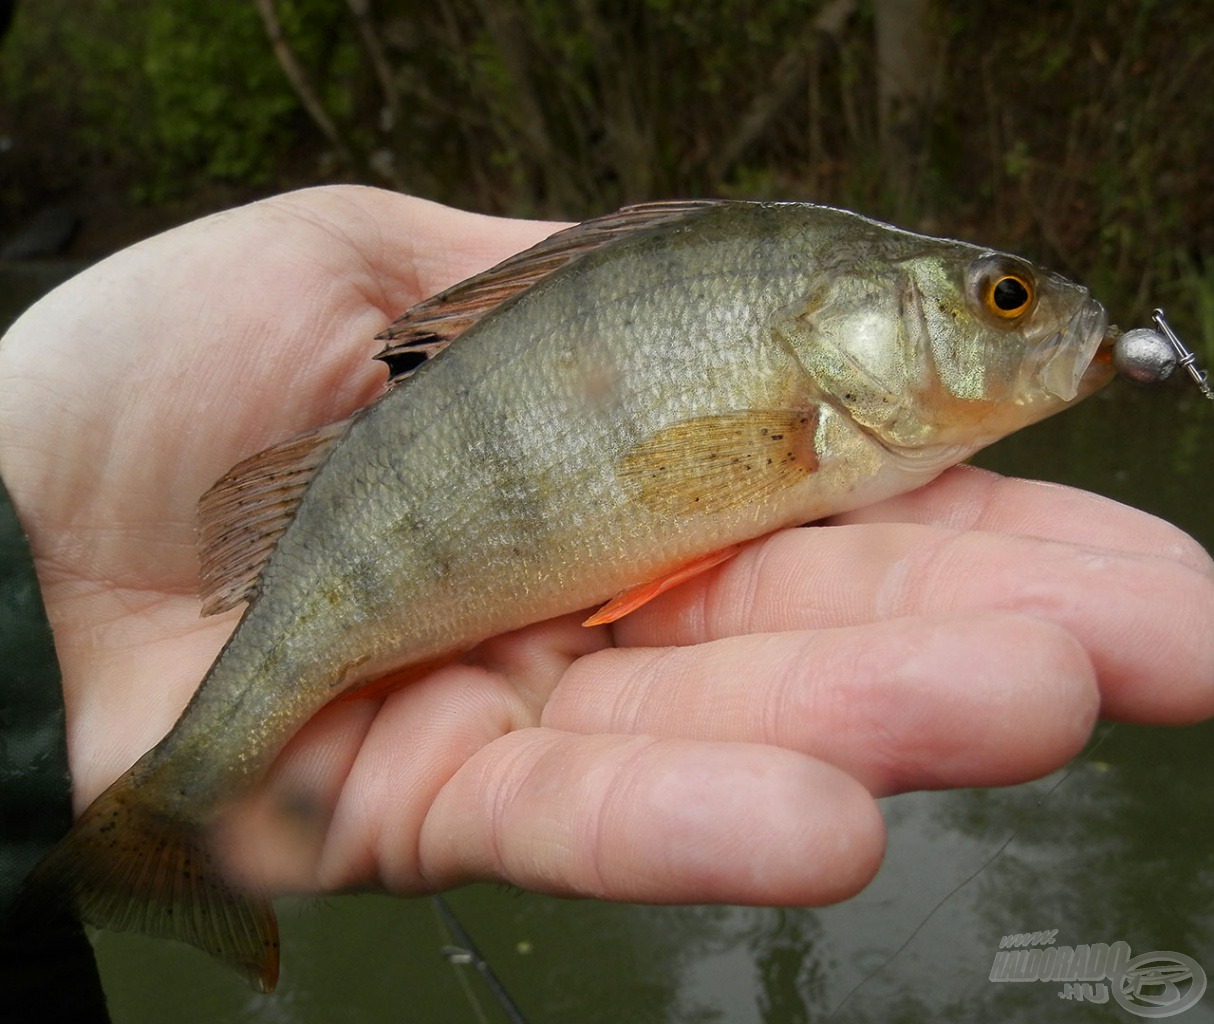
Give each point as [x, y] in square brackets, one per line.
[47, 970]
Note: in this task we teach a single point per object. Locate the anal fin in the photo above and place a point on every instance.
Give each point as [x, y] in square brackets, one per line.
[632, 598]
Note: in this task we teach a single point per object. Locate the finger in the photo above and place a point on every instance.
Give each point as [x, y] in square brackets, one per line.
[968, 498]
[366, 785]
[654, 820]
[1142, 620]
[275, 840]
[982, 699]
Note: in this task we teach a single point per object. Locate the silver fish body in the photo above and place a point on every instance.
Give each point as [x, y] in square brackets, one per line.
[667, 384]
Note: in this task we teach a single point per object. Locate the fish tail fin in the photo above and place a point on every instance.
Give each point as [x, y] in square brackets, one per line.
[128, 866]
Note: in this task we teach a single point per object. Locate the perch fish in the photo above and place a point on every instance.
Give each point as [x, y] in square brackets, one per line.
[591, 421]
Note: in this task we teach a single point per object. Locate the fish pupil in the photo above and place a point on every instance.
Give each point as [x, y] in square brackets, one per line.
[1009, 294]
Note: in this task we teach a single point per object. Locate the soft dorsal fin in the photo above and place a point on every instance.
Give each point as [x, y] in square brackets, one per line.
[429, 327]
[242, 516]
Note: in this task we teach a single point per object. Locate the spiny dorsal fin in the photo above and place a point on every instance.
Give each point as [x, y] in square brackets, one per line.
[242, 516]
[429, 327]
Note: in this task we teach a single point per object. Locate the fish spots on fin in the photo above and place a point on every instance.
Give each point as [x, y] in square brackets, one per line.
[634, 597]
[403, 361]
[717, 463]
[132, 861]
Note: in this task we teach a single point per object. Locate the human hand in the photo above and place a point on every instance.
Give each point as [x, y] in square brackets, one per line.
[723, 743]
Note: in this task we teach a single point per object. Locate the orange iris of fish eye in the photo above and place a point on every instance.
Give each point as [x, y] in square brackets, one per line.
[1007, 296]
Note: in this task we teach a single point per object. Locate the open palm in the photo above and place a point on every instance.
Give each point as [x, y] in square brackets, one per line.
[724, 743]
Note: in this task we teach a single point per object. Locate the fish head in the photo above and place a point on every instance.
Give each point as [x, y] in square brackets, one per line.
[940, 351]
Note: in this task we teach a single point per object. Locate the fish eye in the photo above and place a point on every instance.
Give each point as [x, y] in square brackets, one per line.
[1006, 292]
[1010, 295]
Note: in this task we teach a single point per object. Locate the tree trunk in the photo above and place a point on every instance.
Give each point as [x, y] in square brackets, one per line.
[908, 59]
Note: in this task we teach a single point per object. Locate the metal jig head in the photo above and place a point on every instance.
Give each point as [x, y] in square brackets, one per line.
[1150, 356]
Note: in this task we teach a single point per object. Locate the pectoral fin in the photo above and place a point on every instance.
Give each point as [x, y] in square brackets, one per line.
[632, 598]
[717, 463]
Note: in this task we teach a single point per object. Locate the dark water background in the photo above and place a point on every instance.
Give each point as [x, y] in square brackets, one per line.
[1115, 847]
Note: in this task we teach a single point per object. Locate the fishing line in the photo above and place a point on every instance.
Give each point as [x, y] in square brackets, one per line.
[1074, 766]
[462, 978]
[466, 952]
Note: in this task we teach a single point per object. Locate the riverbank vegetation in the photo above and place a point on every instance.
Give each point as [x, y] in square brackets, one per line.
[1075, 133]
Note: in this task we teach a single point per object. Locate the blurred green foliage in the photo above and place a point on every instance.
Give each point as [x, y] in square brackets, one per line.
[215, 100]
[1071, 132]
[163, 97]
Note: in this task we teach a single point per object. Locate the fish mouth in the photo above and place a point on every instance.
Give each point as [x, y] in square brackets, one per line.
[1100, 369]
[1078, 359]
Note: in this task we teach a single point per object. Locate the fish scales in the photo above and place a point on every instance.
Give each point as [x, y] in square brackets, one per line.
[496, 463]
[691, 380]
[505, 449]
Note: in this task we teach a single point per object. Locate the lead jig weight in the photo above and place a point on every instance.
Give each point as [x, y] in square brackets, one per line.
[1150, 356]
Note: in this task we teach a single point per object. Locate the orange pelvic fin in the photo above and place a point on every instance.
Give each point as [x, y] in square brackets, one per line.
[376, 689]
[632, 598]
